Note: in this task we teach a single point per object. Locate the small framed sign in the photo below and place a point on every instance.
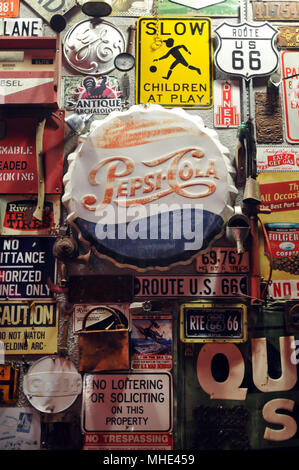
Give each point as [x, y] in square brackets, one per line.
[209, 322]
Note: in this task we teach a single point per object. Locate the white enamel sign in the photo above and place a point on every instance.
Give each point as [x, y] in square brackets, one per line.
[21, 27]
[48, 8]
[290, 73]
[127, 402]
[246, 50]
[197, 4]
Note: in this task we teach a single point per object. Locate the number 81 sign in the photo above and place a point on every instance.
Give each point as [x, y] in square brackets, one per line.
[246, 50]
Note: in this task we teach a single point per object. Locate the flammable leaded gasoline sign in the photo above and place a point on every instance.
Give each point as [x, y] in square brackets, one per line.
[174, 62]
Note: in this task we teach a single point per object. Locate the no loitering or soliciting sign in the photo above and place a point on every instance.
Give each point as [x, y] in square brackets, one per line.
[174, 62]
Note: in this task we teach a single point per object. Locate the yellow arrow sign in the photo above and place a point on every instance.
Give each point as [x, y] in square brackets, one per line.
[174, 62]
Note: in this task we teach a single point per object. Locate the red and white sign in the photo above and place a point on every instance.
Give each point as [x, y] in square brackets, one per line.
[226, 103]
[128, 441]
[277, 159]
[30, 71]
[18, 167]
[9, 9]
[282, 289]
[290, 74]
[127, 402]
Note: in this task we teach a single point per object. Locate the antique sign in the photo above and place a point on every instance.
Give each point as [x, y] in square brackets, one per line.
[269, 120]
[29, 327]
[30, 70]
[203, 323]
[179, 71]
[9, 8]
[151, 341]
[100, 318]
[9, 376]
[275, 11]
[92, 95]
[128, 441]
[195, 7]
[26, 264]
[90, 47]
[246, 50]
[279, 192]
[221, 260]
[151, 198]
[18, 166]
[227, 108]
[48, 8]
[21, 27]
[288, 37]
[16, 216]
[191, 286]
[127, 402]
[290, 74]
[277, 159]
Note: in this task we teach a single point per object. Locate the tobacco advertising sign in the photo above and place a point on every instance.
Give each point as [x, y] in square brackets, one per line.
[26, 263]
[177, 73]
[29, 328]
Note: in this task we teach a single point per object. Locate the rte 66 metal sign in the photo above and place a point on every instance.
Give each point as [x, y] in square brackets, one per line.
[246, 50]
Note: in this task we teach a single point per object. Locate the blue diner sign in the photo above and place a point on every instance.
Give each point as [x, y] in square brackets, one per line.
[26, 264]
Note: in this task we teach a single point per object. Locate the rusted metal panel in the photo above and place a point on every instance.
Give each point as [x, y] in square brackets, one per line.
[268, 112]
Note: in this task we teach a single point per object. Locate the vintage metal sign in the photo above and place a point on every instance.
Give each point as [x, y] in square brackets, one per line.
[288, 37]
[277, 159]
[151, 341]
[16, 216]
[197, 4]
[179, 72]
[18, 166]
[151, 185]
[275, 11]
[203, 323]
[30, 71]
[90, 47]
[290, 74]
[9, 8]
[21, 27]
[26, 263]
[128, 441]
[220, 260]
[227, 110]
[191, 286]
[224, 8]
[127, 402]
[246, 50]
[92, 95]
[279, 192]
[29, 327]
[100, 318]
[48, 8]
[9, 377]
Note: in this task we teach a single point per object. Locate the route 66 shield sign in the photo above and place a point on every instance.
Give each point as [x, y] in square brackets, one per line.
[246, 50]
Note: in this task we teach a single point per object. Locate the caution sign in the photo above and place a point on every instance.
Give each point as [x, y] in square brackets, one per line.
[174, 62]
[29, 328]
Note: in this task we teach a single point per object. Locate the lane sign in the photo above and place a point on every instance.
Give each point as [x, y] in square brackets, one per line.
[179, 72]
[246, 50]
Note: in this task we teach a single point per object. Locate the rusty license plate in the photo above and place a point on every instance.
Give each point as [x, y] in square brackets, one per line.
[222, 260]
[275, 11]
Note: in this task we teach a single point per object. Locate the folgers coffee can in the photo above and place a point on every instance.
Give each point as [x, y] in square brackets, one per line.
[284, 246]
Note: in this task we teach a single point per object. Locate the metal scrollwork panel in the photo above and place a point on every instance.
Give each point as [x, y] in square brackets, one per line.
[92, 45]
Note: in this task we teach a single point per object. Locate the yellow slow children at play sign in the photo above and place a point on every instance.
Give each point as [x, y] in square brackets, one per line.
[174, 62]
